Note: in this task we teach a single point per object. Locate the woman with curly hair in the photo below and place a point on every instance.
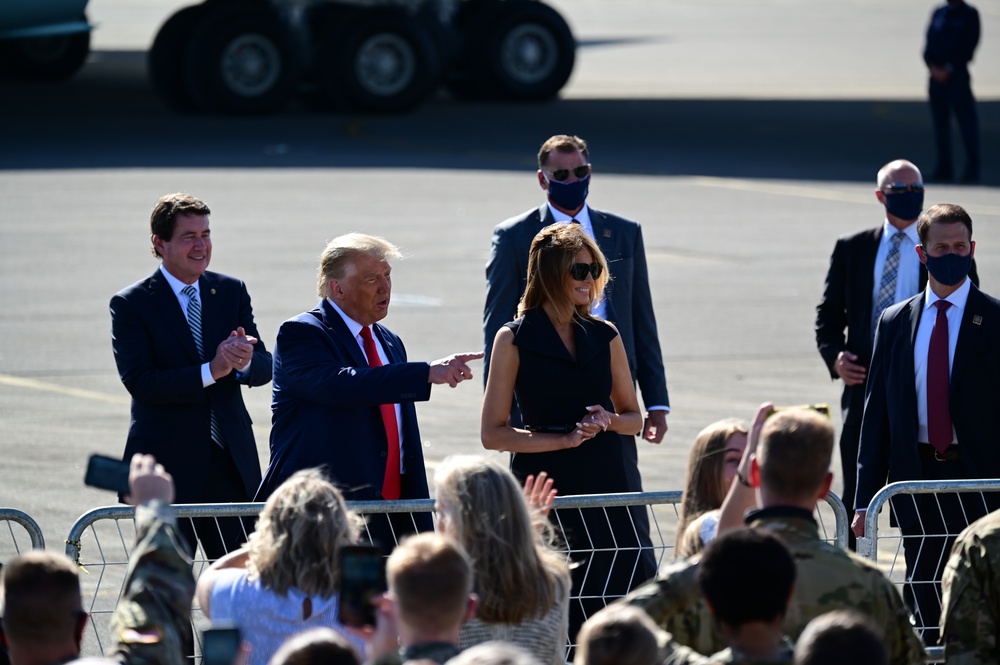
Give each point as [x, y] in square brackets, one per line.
[712, 465]
[286, 579]
[522, 584]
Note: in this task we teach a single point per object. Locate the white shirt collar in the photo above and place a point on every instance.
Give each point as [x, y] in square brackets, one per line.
[559, 216]
[888, 230]
[957, 299]
[177, 285]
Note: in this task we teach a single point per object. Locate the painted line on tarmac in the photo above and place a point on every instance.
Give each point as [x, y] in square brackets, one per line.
[34, 384]
[804, 191]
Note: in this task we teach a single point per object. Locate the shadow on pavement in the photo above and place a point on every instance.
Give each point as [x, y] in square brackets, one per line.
[109, 117]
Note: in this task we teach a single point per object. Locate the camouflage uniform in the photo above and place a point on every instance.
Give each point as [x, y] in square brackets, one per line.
[971, 615]
[152, 623]
[828, 578]
[438, 652]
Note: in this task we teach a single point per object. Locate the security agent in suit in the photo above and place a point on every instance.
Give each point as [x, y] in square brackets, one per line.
[564, 174]
[867, 275]
[334, 406]
[187, 404]
[908, 433]
[952, 37]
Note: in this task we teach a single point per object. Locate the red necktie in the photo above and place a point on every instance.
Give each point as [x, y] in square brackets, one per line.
[390, 485]
[938, 410]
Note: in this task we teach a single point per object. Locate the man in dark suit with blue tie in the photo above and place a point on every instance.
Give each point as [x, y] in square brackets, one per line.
[564, 174]
[185, 342]
[932, 390]
[343, 394]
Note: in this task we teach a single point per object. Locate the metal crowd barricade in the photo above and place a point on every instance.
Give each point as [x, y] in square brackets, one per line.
[102, 539]
[16, 545]
[883, 544]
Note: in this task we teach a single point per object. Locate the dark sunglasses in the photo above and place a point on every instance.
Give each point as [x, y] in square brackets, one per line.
[562, 175]
[579, 271]
[900, 188]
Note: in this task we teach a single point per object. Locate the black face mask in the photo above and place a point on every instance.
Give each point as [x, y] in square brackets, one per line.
[569, 195]
[906, 205]
[948, 269]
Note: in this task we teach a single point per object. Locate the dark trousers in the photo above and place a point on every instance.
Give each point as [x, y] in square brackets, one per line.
[224, 534]
[955, 96]
[850, 435]
[927, 542]
[386, 529]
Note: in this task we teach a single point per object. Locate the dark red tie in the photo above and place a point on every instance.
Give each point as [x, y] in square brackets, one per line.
[938, 410]
[390, 485]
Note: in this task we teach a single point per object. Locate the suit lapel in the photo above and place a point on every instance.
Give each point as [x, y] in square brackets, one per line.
[211, 315]
[392, 352]
[340, 333]
[968, 335]
[867, 269]
[169, 307]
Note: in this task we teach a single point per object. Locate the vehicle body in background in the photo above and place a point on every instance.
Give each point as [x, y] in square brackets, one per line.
[43, 39]
[254, 56]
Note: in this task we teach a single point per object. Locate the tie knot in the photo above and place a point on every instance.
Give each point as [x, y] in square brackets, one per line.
[189, 291]
[897, 238]
[942, 305]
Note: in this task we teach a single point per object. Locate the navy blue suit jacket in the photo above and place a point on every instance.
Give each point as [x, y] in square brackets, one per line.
[888, 451]
[325, 407]
[160, 367]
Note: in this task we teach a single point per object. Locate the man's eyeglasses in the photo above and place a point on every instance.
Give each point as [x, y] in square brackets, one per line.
[579, 271]
[901, 188]
[562, 175]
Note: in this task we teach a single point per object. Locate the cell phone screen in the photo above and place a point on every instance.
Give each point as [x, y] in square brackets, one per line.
[219, 646]
[107, 473]
[362, 579]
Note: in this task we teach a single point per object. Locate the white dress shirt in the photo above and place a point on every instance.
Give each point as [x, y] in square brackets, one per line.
[177, 285]
[908, 276]
[922, 341]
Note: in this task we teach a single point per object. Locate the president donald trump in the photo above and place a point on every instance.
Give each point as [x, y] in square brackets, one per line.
[344, 392]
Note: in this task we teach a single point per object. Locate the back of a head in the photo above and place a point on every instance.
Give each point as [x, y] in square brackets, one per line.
[319, 646]
[617, 635]
[794, 453]
[41, 599]
[482, 506]
[299, 535]
[430, 578]
[747, 576]
[494, 653]
[840, 637]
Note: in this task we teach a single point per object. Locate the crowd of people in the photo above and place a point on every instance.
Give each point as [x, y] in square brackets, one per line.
[569, 333]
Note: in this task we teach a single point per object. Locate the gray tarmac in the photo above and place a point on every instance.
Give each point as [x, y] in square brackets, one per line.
[744, 141]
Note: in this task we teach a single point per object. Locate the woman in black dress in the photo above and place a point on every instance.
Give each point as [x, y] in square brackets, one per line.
[570, 376]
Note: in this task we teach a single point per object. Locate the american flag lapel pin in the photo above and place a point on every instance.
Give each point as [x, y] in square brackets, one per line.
[607, 233]
[977, 320]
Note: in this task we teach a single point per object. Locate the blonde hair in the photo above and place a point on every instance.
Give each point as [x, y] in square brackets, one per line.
[553, 252]
[299, 535]
[794, 453]
[704, 486]
[342, 250]
[518, 576]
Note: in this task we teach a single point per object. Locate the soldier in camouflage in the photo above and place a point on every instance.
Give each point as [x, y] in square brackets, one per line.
[790, 473]
[970, 618]
[43, 615]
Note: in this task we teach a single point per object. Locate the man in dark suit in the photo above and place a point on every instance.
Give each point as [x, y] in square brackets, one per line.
[869, 271]
[932, 387]
[564, 174]
[184, 341]
[343, 394]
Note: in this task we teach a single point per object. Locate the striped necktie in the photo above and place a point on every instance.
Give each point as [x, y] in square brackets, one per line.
[194, 321]
[890, 274]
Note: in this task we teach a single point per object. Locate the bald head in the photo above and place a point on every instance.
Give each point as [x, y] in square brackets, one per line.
[898, 170]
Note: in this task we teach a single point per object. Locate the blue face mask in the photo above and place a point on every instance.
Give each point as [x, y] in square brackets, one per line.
[906, 205]
[949, 269]
[569, 195]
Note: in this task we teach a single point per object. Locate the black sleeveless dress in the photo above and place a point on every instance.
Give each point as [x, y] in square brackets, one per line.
[553, 391]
